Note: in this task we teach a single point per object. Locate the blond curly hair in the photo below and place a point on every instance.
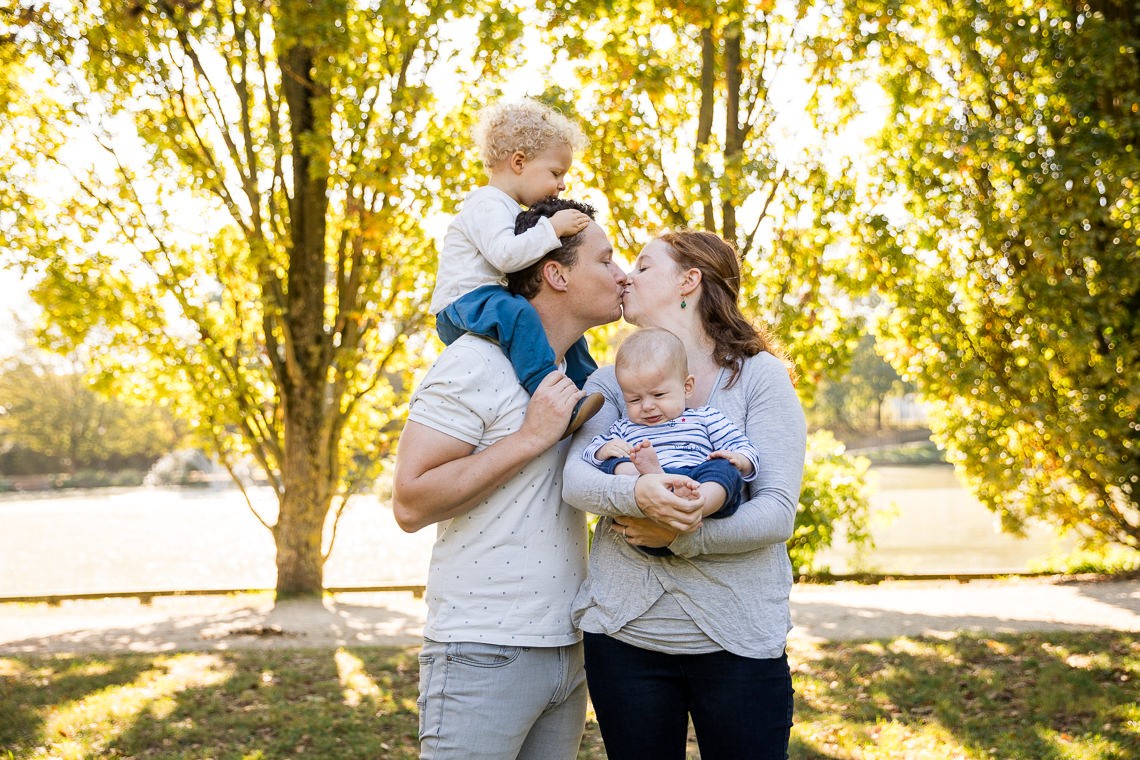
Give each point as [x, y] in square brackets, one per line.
[525, 125]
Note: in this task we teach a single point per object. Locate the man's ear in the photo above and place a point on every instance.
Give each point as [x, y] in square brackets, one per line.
[555, 275]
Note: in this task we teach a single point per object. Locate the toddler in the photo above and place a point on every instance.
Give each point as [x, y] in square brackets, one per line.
[527, 149]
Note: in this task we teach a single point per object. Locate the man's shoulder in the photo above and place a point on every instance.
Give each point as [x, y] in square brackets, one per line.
[469, 342]
[468, 388]
[471, 354]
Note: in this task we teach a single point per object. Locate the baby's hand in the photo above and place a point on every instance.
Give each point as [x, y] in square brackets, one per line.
[739, 461]
[615, 448]
[568, 222]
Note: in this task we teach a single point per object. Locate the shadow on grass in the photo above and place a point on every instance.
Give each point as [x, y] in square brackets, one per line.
[1040, 696]
[1043, 695]
[342, 703]
[30, 690]
[336, 704]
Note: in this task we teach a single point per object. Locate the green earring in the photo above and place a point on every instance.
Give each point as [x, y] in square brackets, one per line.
[682, 303]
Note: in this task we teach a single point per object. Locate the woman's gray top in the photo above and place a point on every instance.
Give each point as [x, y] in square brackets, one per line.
[728, 584]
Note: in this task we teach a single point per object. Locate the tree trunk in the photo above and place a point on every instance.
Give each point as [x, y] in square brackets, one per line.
[705, 123]
[733, 145]
[305, 499]
[307, 476]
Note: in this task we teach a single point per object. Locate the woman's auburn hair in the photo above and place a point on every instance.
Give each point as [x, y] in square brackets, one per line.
[734, 337]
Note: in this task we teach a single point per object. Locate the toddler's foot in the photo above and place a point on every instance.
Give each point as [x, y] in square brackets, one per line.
[585, 409]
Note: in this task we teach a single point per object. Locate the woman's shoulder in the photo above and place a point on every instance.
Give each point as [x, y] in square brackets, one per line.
[603, 377]
[764, 364]
[604, 381]
[760, 375]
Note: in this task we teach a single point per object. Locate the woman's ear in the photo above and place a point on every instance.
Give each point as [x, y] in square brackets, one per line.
[691, 281]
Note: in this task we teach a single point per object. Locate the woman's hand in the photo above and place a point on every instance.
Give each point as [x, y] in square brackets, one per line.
[641, 531]
[672, 501]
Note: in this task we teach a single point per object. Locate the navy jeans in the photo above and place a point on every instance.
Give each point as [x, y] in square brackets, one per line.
[741, 707]
[494, 312]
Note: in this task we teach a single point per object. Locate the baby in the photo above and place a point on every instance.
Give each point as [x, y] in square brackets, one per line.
[660, 433]
[527, 148]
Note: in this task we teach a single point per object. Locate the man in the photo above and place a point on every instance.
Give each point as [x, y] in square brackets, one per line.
[501, 667]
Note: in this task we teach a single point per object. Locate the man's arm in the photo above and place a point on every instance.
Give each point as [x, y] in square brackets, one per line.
[438, 477]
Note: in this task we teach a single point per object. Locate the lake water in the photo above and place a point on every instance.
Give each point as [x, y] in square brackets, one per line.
[157, 539]
[167, 538]
[925, 521]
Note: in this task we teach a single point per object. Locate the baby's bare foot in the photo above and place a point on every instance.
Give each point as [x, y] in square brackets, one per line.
[644, 458]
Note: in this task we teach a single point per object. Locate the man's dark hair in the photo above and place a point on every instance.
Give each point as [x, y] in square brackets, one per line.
[528, 282]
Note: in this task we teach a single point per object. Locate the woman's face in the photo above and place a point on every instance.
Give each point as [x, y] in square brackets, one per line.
[654, 286]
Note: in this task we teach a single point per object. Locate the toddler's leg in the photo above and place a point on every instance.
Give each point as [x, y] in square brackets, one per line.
[494, 312]
[579, 364]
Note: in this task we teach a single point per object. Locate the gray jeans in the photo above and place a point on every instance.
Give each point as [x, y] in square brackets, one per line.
[500, 702]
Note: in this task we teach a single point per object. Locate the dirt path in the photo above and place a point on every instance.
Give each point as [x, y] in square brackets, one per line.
[840, 611]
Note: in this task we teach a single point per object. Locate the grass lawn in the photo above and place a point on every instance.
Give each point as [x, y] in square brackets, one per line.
[1037, 696]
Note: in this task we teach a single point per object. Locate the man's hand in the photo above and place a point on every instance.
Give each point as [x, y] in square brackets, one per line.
[549, 410]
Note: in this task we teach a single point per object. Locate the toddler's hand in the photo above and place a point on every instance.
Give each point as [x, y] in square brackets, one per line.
[568, 222]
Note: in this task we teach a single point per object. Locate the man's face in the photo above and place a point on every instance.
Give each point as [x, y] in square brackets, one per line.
[595, 281]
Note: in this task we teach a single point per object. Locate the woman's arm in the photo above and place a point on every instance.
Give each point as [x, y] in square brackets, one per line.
[584, 486]
[771, 417]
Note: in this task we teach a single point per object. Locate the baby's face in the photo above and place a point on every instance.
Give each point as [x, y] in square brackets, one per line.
[654, 394]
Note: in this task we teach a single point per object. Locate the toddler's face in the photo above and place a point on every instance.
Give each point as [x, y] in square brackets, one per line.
[545, 175]
[654, 394]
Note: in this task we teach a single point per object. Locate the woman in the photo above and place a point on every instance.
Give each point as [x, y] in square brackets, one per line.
[700, 632]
